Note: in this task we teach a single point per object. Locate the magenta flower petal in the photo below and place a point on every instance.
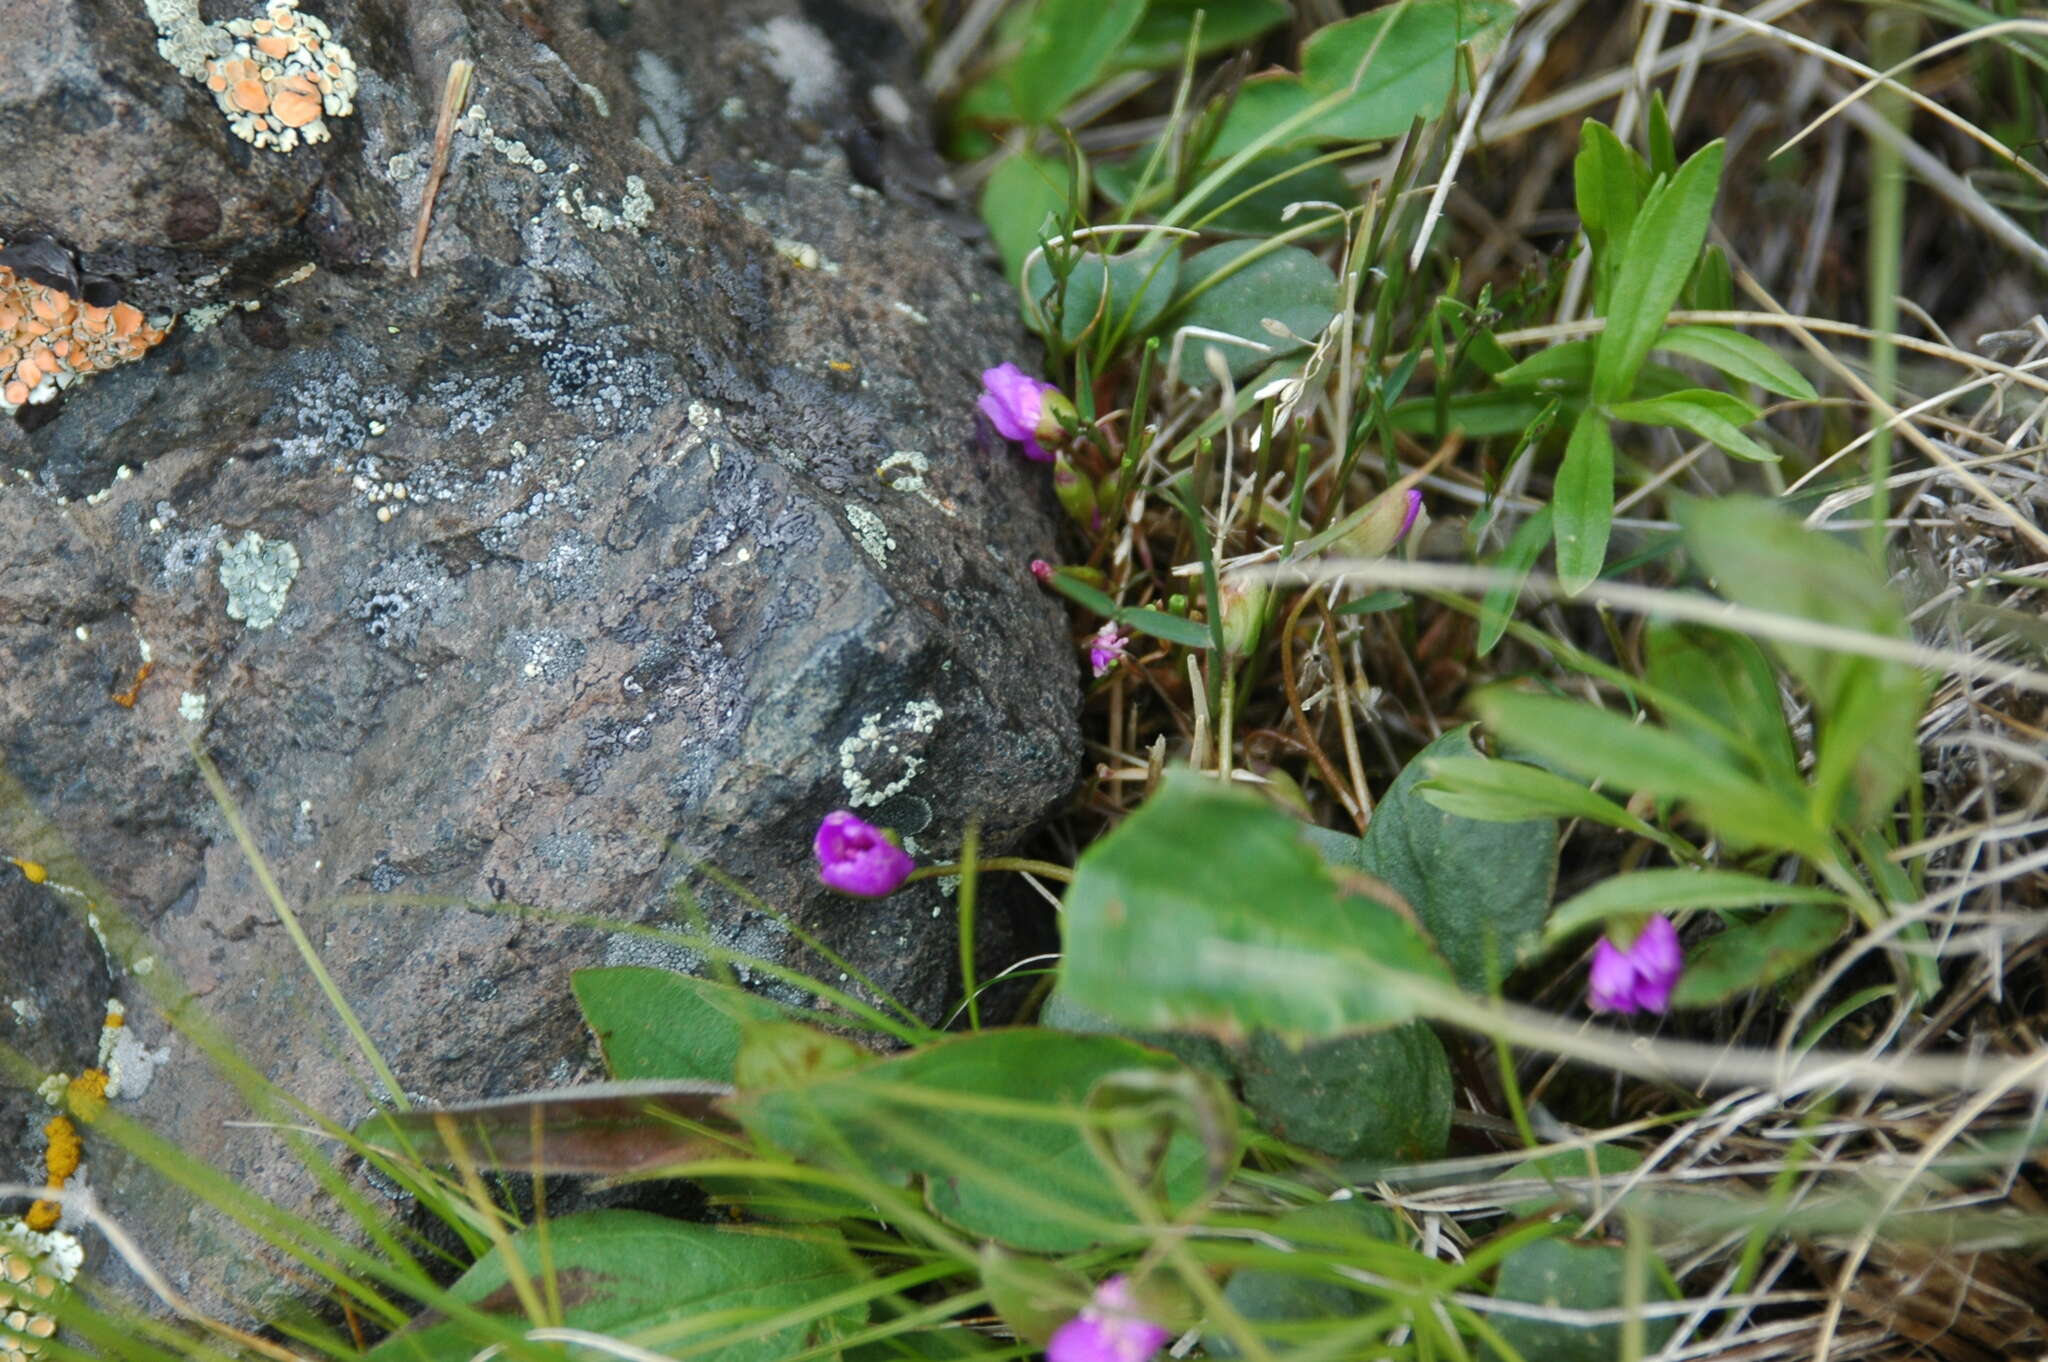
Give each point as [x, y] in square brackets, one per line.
[855, 858]
[1106, 648]
[1108, 1329]
[1639, 976]
[1014, 403]
[1408, 517]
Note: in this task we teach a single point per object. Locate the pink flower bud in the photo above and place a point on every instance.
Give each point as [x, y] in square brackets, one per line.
[856, 857]
[1106, 647]
[1041, 569]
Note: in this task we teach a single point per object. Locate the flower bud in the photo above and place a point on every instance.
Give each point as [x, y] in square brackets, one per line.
[1243, 605]
[1076, 493]
[1387, 517]
[1056, 415]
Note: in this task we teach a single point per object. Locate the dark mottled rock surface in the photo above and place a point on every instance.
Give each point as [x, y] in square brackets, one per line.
[698, 540]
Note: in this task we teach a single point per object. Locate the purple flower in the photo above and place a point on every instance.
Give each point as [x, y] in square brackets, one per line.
[1015, 404]
[1108, 1329]
[1106, 648]
[1637, 976]
[1408, 518]
[855, 857]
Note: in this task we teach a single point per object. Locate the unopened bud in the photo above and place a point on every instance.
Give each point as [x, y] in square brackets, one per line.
[1387, 518]
[1243, 605]
[1056, 415]
[1076, 493]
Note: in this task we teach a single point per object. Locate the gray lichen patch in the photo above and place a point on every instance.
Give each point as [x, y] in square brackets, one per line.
[871, 532]
[665, 127]
[874, 764]
[257, 573]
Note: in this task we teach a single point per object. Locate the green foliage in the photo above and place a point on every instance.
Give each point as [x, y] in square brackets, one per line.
[1256, 933]
[1025, 201]
[1484, 924]
[1757, 954]
[1234, 288]
[668, 1284]
[990, 1124]
[1384, 1095]
[655, 1023]
[1574, 1276]
[1277, 1297]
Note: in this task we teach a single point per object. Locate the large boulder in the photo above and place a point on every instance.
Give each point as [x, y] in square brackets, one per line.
[651, 522]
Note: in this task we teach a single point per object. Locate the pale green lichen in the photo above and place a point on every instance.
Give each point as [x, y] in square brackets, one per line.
[871, 532]
[257, 573]
[880, 739]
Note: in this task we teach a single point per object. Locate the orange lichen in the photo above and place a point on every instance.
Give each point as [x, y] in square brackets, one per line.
[275, 78]
[87, 1094]
[126, 699]
[48, 340]
[61, 1158]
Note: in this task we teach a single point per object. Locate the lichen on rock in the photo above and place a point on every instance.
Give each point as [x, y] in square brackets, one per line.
[277, 79]
[257, 573]
[49, 340]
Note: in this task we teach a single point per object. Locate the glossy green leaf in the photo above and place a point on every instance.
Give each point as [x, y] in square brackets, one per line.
[1662, 246]
[1234, 288]
[1599, 745]
[1740, 357]
[1485, 921]
[1756, 954]
[1582, 502]
[1161, 37]
[1023, 203]
[672, 1287]
[1761, 557]
[1574, 1276]
[1067, 46]
[992, 1124]
[655, 1023]
[1705, 413]
[1121, 294]
[1207, 909]
[1641, 892]
[1607, 181]
[1385, 1095]
[1300, 1290]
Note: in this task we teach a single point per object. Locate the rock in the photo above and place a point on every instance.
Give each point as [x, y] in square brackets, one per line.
[650, 523]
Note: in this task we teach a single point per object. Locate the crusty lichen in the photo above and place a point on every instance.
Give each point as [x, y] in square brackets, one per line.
[277, 79]
[49, 340]
[257, 573]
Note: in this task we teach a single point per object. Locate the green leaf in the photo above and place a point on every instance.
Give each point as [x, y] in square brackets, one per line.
[1161, 37]
[1084, 594]
[1159, 624]
[1373, 602]
[1139, 285]
[1574, 1276]
[1727, 679]
[992, 1124]
[1207, 909]
[1385, 1095]
[1067, 46]
[1663, 150]
[1702, 411]
[1606, 179]
[1756, 954]
[1519, 558]
[1662, 246]
[1568, 365]
[1740, 357]
[1023, 203]
[1485, 787]
[1605, 747]
[1868, 709]
[1253, 199]
[1485, 921]
[1300, 1288]
[1235, 298]
[1479, 415]
[1201, 1053]
[1641, 892]
[1603, 1163]
[1582, 502]
[673, 1287]
[1411, 71]
[655, 1023]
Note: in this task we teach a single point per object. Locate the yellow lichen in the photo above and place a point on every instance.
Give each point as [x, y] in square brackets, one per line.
[30, 871]
[87, 1094]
